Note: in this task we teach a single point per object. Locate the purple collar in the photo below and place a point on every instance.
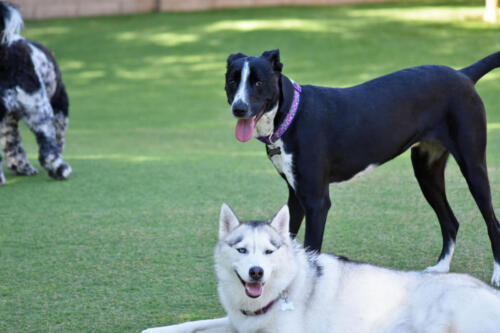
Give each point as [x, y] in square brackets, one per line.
[288, 119]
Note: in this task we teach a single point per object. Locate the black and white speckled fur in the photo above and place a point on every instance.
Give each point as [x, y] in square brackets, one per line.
[31, 89]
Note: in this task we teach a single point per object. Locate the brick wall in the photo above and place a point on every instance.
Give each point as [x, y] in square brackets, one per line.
[38, 9]
[69, 8]
[183, 5]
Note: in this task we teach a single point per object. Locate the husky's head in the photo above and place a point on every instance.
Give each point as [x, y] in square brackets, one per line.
[253, 259]
[252, 88]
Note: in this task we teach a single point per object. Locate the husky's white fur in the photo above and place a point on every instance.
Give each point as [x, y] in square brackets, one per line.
[326, 293]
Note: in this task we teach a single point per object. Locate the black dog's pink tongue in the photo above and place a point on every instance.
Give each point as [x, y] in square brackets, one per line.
[254, 289]
[245, 128]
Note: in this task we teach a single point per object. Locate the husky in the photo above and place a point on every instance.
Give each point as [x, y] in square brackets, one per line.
[268, 283]
[31, 89]
[315, 136]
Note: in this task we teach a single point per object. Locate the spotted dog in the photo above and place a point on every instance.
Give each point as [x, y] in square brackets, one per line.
[316, 136]
[270, 284]
[31, 89]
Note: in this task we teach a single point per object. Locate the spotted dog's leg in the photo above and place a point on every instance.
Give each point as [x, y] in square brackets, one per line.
[15, 155]
[60, 124]
[60, 105]
[39, 117]
[2, 177]
[2, 118]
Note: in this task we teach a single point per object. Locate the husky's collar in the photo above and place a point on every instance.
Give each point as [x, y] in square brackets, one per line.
[288, 119]
[286, 305]
[260, 311]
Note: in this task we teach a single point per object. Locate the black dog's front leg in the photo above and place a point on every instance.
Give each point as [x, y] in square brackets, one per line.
[296, 212]
[316, 202]
[316, 214]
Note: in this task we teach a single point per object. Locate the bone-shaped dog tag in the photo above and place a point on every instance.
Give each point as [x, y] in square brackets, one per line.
[287, 306]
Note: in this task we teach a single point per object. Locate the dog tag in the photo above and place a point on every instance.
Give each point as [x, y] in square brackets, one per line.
[287, 306]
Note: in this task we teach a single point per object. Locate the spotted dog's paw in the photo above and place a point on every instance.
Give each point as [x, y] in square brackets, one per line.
[62, 172]
[25, 169]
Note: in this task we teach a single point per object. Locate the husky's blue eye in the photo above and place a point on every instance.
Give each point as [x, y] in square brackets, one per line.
[242, 250]
[269, 252]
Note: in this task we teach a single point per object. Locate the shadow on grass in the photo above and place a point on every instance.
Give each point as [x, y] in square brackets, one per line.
[166, 48]
[164, 69]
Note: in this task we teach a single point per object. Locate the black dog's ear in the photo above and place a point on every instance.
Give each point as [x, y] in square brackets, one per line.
[234, 57]
[274, 58]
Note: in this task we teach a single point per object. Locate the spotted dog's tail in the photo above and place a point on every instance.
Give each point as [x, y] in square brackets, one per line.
[11, 24]
[478, 69]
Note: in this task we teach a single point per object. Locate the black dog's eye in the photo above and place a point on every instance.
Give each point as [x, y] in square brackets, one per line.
[242, 250]
[269, 252]
[232, 82]
[258, 83]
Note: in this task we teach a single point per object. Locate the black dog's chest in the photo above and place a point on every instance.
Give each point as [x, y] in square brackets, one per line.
[282, 161]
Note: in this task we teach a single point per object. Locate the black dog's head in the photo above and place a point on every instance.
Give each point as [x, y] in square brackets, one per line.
[252, 88]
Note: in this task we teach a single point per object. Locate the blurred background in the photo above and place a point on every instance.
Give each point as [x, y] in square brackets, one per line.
[126, 242]
[70, 8]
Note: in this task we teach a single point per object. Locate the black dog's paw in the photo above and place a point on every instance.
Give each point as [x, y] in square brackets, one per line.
[62, 172]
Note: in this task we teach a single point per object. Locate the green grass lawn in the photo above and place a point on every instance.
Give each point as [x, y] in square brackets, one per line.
[126, 243]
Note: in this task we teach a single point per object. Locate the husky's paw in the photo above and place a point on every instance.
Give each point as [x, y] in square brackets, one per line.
[24, 169]
[495, 278]
[2, 178]
[62, 172]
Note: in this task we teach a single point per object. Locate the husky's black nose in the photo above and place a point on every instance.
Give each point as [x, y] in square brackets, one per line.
[256, 273]
[240, 108]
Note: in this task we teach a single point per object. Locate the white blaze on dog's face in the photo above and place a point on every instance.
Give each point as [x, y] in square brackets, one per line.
[252, 88]
[252, 249]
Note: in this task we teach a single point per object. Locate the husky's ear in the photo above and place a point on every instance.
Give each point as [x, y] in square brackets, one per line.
[281, 222]
[235, 56]
[228, 221]
[274, 58]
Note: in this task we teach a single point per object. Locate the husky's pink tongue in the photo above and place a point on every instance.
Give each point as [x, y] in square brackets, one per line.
[254, 289]
[245, 128]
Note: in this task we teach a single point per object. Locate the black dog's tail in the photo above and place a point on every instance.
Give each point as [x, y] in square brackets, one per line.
[478, 69]
[11, 24]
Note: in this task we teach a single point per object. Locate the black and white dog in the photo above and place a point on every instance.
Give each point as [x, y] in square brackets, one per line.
[316, 135]
[30, 89]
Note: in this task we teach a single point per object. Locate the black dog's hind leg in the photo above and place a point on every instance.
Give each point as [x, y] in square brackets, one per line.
[476, 175]
[429, 162]
[15, 155]
[470, 153]
[296, 212]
